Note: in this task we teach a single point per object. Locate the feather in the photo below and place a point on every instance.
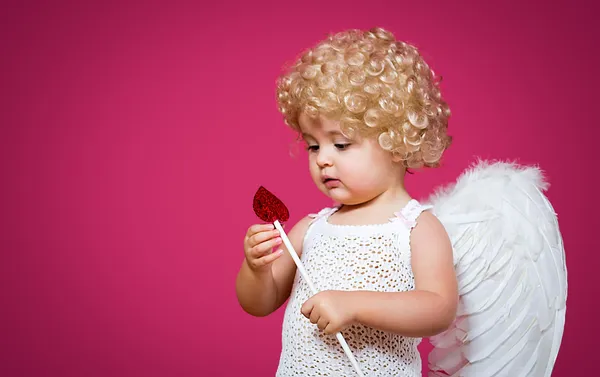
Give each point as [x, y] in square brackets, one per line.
[510, 265]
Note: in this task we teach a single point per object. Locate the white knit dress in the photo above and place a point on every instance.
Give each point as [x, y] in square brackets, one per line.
[351, 257]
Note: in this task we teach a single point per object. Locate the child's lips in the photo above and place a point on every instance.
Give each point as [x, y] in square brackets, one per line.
[331, 182]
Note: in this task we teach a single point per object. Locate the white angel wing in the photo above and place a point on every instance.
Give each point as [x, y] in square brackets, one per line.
[510, 263]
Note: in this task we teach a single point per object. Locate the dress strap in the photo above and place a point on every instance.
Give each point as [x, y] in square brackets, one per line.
[324, 213]
[316, 217]
[409, 214]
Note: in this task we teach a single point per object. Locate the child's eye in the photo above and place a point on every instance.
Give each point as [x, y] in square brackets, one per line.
[312, 148]
[342, 146]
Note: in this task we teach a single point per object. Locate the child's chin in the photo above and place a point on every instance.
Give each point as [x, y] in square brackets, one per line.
[339, 196]
[331, 193]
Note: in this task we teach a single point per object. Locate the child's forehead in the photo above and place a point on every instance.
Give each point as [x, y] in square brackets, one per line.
[310, 126]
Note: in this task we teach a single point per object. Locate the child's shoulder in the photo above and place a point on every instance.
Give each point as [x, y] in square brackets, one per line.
[427, 228]
[299, 230]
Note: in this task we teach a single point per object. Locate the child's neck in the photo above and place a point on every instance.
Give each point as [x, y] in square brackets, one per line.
[378, 209]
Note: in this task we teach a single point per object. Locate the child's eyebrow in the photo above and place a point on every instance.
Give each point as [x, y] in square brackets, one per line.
[332, 133]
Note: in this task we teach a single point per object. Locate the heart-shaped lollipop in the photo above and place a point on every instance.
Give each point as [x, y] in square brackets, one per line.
[268, 207]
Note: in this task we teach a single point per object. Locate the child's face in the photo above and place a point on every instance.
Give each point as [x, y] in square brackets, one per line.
[348, 171]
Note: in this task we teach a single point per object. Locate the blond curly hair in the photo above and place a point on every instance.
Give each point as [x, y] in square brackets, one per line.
[375, 86]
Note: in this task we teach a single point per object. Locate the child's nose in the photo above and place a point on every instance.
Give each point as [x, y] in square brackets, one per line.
[324, 158]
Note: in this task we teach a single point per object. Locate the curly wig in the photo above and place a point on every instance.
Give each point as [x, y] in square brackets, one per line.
[375, 86]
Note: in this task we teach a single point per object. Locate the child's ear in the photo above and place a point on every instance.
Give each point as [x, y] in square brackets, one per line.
[396, 157]
[398, 161]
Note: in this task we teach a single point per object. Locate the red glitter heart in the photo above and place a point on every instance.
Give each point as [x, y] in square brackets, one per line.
[268, 207]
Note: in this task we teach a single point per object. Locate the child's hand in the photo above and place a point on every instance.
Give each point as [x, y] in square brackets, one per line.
[258, 243]
[331, 311]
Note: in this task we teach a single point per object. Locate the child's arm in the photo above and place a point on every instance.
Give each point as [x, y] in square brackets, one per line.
[265, 281]
[423, 312]
[431, 307]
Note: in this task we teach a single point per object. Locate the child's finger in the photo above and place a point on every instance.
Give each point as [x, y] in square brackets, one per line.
[269, 258]
[329, 329]
[315, 316]
[261, 237]
[307, 308]
[264, 247]
[256, 228]
[322, 323]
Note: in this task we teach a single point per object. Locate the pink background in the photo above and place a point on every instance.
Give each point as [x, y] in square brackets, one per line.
[135, 135]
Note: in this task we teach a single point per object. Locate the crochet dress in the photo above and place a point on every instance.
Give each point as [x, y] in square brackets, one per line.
[351, 257]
